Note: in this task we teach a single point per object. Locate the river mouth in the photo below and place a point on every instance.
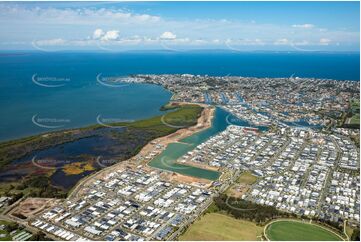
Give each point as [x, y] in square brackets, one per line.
[167, 160]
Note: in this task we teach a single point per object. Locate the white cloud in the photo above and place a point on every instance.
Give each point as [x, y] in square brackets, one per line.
[71, 26]
[324, 41]
[168, 36]
[98, 33]
[303, 26]
[110, 35]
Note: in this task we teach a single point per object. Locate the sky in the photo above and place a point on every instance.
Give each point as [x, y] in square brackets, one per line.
[180, 26]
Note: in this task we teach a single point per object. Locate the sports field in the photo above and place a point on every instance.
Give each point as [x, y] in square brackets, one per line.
[293, 230]
[247, 178]
[355, 107]
[215, 226]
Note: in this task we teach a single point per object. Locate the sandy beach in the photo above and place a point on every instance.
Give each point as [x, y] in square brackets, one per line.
[203, 122]
[143, 157]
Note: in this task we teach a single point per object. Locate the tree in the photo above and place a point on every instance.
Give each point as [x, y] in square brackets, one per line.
[15, 198]
[355, 235]
[11, 227]
[39, 236]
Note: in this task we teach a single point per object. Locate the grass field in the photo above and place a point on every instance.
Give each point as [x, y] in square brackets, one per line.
[355, 119]
[349, 231]
[185, 115]
[247, 178]
[216, 226]
[355, 107]
[298, 231]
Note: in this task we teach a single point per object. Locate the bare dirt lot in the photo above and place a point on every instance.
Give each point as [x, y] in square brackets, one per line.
[31, 206]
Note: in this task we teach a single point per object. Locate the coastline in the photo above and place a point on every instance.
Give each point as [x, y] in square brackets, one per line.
[140, 159]
[148, 130]
[203, 122]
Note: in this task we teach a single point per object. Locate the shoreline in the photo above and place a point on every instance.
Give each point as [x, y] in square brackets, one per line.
[204, 122]
[137, 157]
[140, 159]
[199, 165]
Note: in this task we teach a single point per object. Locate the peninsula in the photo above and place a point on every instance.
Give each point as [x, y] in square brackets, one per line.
[258, 149]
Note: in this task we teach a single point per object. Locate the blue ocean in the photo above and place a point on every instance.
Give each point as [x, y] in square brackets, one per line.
[70, 96]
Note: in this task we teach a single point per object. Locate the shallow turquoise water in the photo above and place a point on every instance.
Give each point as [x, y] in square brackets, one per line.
[167, 159]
